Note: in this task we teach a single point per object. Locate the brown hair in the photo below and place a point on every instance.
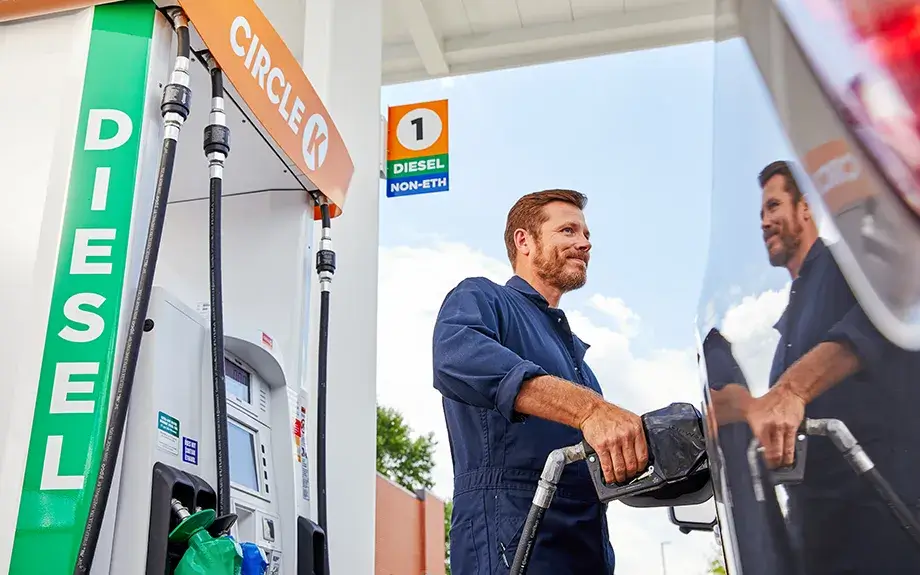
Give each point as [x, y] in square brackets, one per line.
[528, 213]
[784, 169]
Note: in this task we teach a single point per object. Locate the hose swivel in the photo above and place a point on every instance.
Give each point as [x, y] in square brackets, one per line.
[325, 256]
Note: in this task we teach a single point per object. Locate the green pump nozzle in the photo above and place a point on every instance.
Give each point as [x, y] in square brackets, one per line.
[206, 555]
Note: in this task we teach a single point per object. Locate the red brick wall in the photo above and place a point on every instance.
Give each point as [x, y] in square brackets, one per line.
[409, 532]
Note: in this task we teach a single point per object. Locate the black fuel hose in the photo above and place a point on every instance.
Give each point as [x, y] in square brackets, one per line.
[527, 540]
[217, 148]
[175, 106]
[895, 504]
[542, 499]
[325, 268]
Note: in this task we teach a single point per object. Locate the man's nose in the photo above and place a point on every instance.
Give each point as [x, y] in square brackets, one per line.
[584, 244]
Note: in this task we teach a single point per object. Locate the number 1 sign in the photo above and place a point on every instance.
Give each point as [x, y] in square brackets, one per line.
[417, 149]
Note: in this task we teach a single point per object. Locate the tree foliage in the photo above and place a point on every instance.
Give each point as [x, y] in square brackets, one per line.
[448, 510]
[406, 460]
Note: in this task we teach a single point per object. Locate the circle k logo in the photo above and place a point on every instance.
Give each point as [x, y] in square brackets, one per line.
[315, 141]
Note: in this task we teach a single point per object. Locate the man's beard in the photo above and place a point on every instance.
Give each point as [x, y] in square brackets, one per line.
[789, 244]
[551, 268]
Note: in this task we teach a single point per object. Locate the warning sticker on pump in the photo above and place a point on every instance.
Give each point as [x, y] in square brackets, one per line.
[168, 433]
[189, 450]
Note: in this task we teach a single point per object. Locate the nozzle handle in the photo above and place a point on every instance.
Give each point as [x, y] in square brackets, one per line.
[608, 492]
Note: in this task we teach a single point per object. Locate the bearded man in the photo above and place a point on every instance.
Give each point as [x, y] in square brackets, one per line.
[832, 362]
[515, 387]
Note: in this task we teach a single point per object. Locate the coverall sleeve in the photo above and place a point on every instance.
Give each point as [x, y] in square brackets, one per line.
[470, 363]
[856, 329]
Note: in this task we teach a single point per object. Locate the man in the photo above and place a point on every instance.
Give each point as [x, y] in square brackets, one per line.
[831, 362]
[515, 387]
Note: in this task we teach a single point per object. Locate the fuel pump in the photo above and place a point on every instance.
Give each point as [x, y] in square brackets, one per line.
[200, 359]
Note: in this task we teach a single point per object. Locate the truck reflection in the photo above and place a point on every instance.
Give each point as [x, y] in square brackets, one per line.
[830, 362]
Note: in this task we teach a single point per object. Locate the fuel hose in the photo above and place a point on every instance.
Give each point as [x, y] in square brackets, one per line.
[175, 106]
[542, 499]
[217, 148]
[325, 268]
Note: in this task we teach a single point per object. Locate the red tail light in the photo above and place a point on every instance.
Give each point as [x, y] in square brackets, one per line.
[891, 32]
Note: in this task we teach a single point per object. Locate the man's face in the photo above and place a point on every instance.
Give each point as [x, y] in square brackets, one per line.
[781, 221]
[562, 250]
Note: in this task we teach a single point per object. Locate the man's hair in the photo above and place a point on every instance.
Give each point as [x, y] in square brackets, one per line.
[784, 169]
[528, 213]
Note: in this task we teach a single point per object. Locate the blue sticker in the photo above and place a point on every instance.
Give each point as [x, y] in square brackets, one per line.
[189, 450]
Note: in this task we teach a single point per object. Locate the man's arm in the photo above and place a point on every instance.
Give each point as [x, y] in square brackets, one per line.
[470, 364]
[823, 367]
[473, 367]
[852, 344]
[558, 400]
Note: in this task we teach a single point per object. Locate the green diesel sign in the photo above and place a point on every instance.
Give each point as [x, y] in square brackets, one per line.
[81, 342]
[418, 166]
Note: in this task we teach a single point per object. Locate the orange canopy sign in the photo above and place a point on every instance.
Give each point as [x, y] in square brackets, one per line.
[837, 175]
[268, 77]
[16, 9]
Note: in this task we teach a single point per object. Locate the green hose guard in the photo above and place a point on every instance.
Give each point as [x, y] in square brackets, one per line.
[205, 555]
[209, 556]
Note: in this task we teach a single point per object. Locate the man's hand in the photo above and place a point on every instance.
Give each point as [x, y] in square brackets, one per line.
[619, 440]
[775, 419]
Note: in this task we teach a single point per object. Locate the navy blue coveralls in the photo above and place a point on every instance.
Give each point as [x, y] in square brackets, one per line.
[488, 340]
[841, 523]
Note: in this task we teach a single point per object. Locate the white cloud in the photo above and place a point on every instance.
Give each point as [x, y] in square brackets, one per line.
[749, 327]
[413, 283]
[627, 321]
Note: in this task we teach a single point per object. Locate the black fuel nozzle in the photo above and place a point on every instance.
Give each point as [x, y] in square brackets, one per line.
[677, 459]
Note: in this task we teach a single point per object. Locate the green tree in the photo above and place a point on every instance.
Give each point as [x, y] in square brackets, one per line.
[406, 460]
[448, 510]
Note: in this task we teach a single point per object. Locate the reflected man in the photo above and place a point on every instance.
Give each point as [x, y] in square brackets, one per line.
[831, 362]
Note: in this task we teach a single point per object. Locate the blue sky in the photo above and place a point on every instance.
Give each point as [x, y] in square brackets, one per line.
[632, 131]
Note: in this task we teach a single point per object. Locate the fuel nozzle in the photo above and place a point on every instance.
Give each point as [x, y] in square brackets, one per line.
[206, 555]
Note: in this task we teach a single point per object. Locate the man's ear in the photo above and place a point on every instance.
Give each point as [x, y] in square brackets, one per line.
[806, 211]
[523, 242]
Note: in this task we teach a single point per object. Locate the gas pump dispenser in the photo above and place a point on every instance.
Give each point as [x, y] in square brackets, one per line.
[165, 219]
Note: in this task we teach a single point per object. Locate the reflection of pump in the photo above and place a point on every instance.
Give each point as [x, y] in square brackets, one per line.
[677, 472]
[844, 440]
[175, 109]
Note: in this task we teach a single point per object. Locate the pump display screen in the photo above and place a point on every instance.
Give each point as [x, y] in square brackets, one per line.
[238, 381]
[243, 468]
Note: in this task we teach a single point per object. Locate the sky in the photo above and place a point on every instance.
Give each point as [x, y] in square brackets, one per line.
[666, 144]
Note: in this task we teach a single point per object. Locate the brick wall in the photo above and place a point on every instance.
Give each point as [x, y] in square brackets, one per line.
[409, 531]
